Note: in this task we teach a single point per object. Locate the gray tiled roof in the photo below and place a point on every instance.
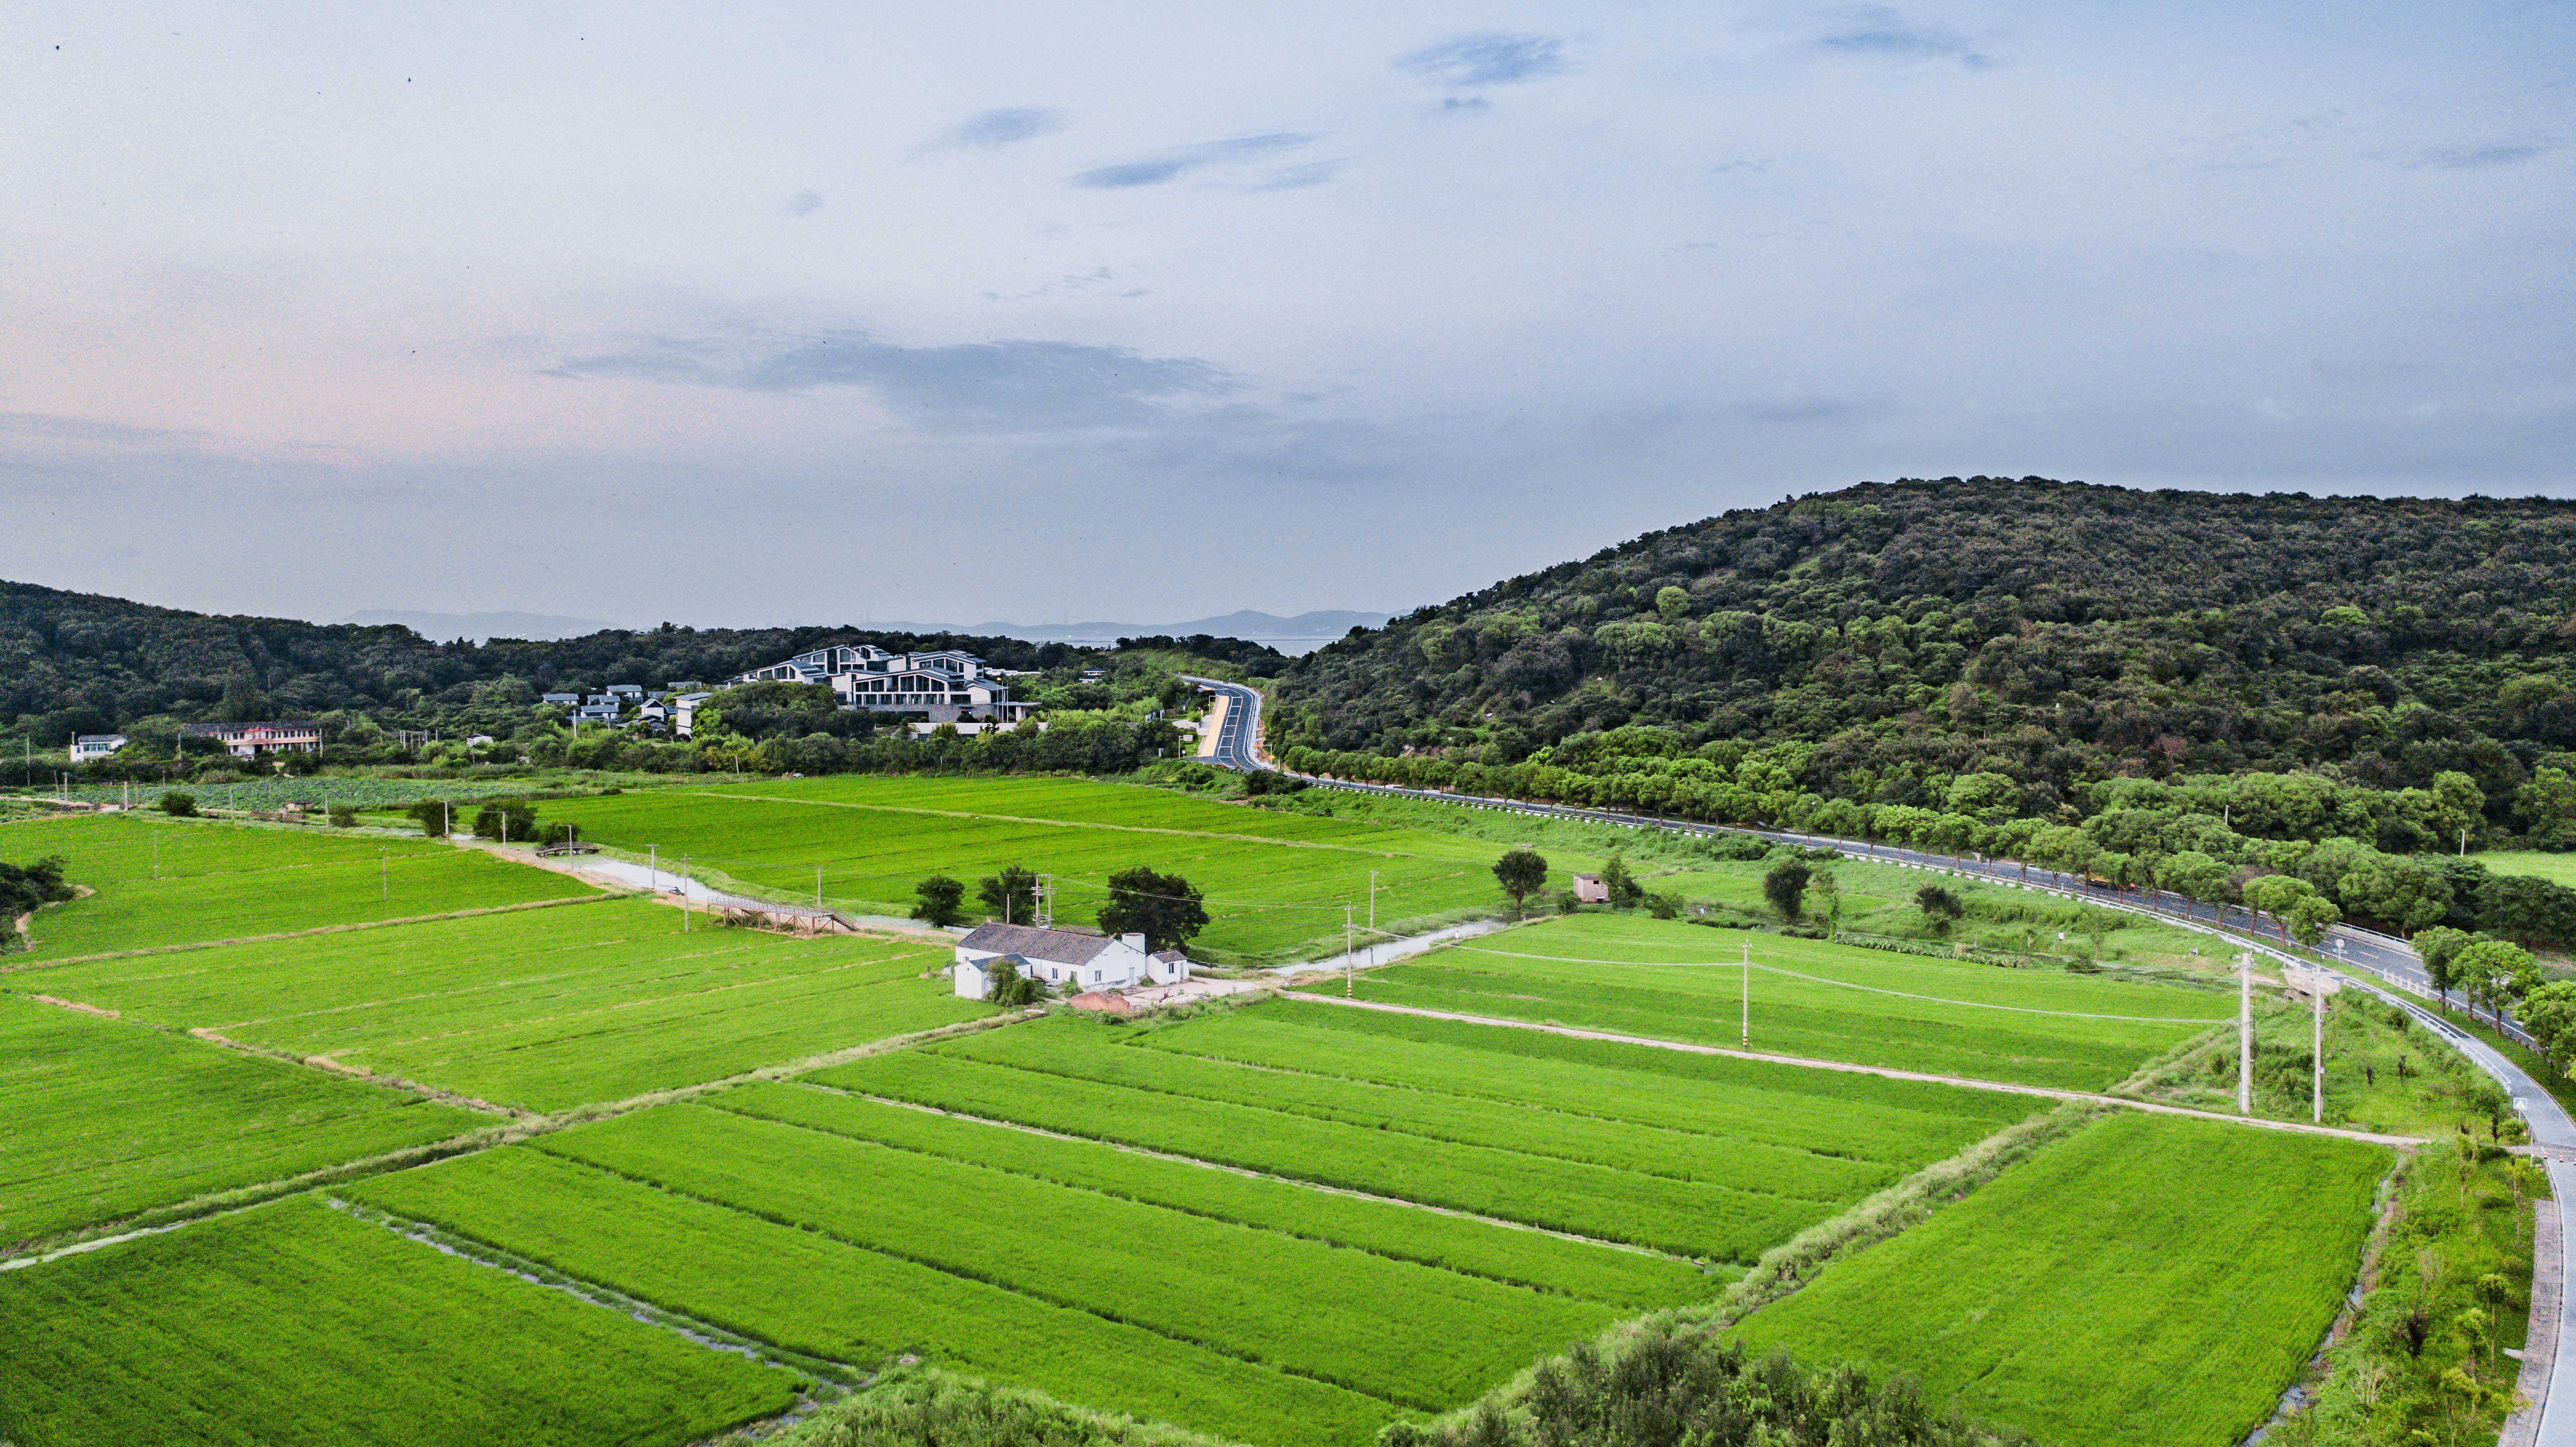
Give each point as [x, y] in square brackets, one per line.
[1061, 947]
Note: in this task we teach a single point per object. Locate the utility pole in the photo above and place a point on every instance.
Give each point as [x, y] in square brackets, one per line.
[818, 886]
[653, 862]
[2245, 1032]
[1373, 936]
[2317, 1057]
[384, 874]
[1346, 952]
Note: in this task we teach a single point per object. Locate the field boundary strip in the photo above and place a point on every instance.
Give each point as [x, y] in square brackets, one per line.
[296, 934]
[536, 1273]
[1246, 1172]
[1069, 824]
[1847, 985]
[2400, 1142]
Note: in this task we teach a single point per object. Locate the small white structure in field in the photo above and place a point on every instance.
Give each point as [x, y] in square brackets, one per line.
[87, 747]
[1588, 889]
[1081, 958]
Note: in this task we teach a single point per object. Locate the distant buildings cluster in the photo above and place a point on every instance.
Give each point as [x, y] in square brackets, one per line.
[949, 686]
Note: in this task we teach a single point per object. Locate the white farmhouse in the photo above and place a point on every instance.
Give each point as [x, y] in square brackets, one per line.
[1078, 958]
[89, 747]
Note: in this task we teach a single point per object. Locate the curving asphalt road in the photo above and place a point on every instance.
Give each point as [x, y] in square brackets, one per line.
[2370, 960]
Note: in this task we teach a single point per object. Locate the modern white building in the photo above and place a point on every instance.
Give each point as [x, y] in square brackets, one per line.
[248, 739]
[947, 685]
[1078, 959]
[87, 748]
[684, 712]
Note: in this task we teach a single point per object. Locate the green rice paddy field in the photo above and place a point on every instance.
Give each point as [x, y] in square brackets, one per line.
[163, 882]
[108, 1118]
[541, 1010]
[2148, 1282]
[1666, 980]
[293, 1325]
[1275, 882]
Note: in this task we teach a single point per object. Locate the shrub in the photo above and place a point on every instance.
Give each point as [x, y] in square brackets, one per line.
[179, 806]
[344, 816]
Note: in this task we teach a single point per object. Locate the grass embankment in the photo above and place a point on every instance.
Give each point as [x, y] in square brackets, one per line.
[543, 1010]
[293, 1325]
[2424, 1360]
[1810, 998]
[159, 882]
[2149, 1282]
[2385, 1072]
[109, 1118]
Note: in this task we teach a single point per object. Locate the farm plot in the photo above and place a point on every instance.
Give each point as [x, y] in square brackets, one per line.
[107, 1118]
[295, 1325]
[2148, 1282]
[542, 1010]
[1591, 1271]
[1275, 884]
[1671, 981]
[1406, 1333]
[174, 882]
[815, 1293]
[1693, 1194]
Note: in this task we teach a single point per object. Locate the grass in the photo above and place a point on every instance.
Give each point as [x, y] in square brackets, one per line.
[2556, 868]
[544, 1010]
[1404, 1332]
[108, 1119]
[811, 1292]
[1589, 1271]
[1720, 1197]
[293, 1325]
[2149, 1282]
[2384, 1070]
[1672, 981]
[162, 882]
[1275, 883]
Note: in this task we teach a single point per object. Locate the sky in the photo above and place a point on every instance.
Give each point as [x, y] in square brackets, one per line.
[789, 313]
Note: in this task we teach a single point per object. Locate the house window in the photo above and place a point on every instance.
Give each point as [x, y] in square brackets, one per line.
[1095, 977]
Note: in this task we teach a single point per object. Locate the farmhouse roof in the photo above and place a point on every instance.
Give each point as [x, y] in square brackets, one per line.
[1061, 947]
[1170, 957]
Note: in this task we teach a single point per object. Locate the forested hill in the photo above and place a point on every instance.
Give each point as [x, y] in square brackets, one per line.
[1911, 633]
[81, 663]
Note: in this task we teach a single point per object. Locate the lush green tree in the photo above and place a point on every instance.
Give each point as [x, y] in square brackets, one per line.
[2548, 1014]
[1825, 897]
[2274, 894]
[1785, 885]
[1161, 907]
[1941, 908]
[1011, 896]
[1664, 904]
[25, 887]
[939, 900]
[1622, 885]
[2439, 946]
[2546, 809]
[178, 805]
[513, 821]
[1007, 987]
[2193, 874]
[2494, 973]
[436, 817]
[1521, 873]
[2310, 918]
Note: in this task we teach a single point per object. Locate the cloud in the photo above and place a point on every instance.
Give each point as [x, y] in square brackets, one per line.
[1875, 30]
[990, 387]
[1488, 58]
[994, 129]
[804, 203]
[2474, 158]
[1173, 164]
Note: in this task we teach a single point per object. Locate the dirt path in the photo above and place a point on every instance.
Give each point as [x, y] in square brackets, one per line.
[2005, 1087]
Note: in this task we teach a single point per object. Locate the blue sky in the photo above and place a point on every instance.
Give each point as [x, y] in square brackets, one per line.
[836, 312]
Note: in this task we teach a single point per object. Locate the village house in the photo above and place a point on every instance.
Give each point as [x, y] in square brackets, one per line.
[1083, 960]
[248, 740]
[89, 747]
[948, 685]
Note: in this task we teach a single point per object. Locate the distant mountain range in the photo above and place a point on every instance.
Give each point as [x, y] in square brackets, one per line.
[1303, 633]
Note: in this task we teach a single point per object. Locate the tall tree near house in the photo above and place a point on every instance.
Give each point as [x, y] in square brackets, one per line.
[1164, 908]
[939, 900]
[1011, 895]
[1785, 886]
[1521, 873]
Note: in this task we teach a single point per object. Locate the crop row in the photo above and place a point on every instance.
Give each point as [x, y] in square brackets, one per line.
[1685, 1217]
[106, 1118]
[547, 1009]
[2149, 1282]
[1632, 1279]
[1865, 1117]
[1074, 1048]
[297, 1326]
[1793, 1018]
[1409, 1333]
[811, 1292]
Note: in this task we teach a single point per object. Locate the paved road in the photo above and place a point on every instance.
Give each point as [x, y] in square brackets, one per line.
[2371, 960]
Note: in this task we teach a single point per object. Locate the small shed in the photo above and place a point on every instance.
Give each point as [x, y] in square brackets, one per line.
[1589, 889]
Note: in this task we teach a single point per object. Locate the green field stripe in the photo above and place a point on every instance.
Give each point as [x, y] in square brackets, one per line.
[1098, 824]
[295, 1326]
[1906, 1123]
[1405, 1332]
[1519, 1255]
[1684, 1217]
[808, 1292]
[1072, 1048]
[2147, 1282]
